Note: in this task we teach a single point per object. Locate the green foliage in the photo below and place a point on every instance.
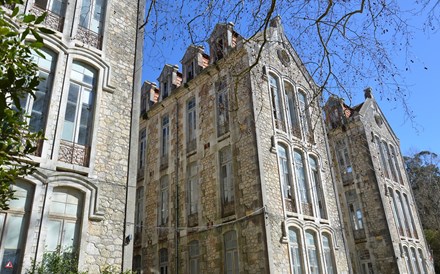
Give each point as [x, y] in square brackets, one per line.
[433, 239]
[18, 78]
[56, 262]
[65, 263]
[424, 176]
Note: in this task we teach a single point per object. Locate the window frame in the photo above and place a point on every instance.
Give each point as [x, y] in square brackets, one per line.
[191, 124]
[163, 206]
[222, 106]
[230, 244]
[226, 178]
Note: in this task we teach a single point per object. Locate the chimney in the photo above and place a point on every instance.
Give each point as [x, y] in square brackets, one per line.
[368, 93]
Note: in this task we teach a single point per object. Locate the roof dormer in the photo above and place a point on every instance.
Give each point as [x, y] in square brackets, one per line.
[149, 96]
[169, 80]
[193, 62]
[221, 41]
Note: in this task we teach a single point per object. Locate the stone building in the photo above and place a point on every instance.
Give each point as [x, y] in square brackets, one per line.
[76, 200]
[383, 229]
[237, 175]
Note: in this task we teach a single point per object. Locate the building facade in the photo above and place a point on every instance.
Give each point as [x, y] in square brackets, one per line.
[76, 200]
[237, 175]
[381, 222]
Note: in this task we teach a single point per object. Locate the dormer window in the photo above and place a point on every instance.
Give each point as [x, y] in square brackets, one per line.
[164, 90]
[190, 73]
[219, 49]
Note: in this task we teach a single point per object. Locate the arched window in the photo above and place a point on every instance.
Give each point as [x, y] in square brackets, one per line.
[328, 254]
[278, 116]
[415, 261]
[396, 215]
[402, 213]
[78, 119]
[295, 251]
[163, 201]
[14, 223]
[312, 252]
[285, 178]
[231, 253]
[292, 110]
[163, 261]
[64, 221]
[37, 106]
[422, 262]
[80, 103]
[194, 254]
[407, 260]
[304, 114]
[303, 186]
[410, 217]
[317, 185]
[227, 181]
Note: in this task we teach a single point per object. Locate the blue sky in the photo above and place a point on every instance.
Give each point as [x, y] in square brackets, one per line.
[423, 133]
[419, 133]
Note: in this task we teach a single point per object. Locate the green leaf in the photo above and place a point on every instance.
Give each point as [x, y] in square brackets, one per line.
[15, 12]
[36, 35]
[24, 34]
[4, 31]
[29, 18]
[41, 18]
[45, 30]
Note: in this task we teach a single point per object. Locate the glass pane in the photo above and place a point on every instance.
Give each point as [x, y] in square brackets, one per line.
[69, 237]
[86, 10]
[14, 228]
[53, 235]
[57, 207]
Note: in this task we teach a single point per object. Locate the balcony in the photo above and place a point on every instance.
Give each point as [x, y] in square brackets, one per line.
[359, 234]
[74, 153]
[52, 20]
[89, 37]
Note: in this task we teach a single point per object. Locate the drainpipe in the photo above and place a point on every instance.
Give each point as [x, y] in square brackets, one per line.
[176, 206]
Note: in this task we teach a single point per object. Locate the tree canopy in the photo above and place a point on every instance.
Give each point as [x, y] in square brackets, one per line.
[19, 39]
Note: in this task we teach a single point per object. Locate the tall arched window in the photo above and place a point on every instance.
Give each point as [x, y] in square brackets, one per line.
[328, 254]
[422, 262]
[292, 110]
[64, 221]
[231, 253]
[317, 186]
[402, 213]
[14, 223]
[285, 178]
[226, 181]
[162, 217]
[303, 185]
[37, 106]
[409, 213]
[407, 260]
[278, 116]
[312, 252]
[295, 251]
[396, 215]
[304, 114]
[78, 119]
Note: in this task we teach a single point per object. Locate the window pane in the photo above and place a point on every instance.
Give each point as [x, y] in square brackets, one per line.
[69, 237]
[53, 234]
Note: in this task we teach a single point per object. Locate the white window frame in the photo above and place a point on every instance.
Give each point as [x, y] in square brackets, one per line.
[84, 89]
[222, 103]
[163, 201]
[49, 5]
[296, 255]
[226, 177]
[142, 148]
[231, 265]
[94, 21]
[316, 184]
[277, 106]
[191, 120]
[193, 189]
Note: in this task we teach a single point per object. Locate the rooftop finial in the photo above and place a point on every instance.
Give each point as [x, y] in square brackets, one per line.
[368, 93]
